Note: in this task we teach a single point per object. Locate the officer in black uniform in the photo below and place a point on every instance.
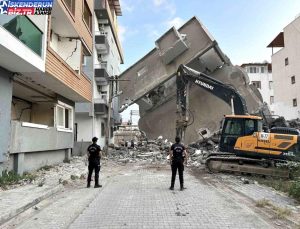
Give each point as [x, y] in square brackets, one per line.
[94, 155]
[178, 155]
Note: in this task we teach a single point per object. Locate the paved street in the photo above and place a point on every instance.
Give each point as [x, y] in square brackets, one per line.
[137, 196]
[140, 198]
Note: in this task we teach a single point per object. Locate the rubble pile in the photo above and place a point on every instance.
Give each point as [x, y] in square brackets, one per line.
[157, 151]
[63, 173]
[150, 151]
[294, 123]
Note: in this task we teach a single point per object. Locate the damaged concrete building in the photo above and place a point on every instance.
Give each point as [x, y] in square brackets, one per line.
[153, 83]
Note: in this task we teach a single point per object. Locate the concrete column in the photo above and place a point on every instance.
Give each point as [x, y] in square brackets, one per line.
[19, 163]
[67, 155]
[5, 113]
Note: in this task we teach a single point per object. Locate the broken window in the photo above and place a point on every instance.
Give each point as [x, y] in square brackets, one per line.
[257, 84]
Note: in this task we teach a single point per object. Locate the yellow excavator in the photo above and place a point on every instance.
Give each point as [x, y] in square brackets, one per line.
[245, 146]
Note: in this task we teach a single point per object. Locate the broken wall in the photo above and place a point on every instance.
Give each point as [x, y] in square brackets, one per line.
[153, 87]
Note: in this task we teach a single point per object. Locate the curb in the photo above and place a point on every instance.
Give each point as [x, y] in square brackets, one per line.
[6, 217]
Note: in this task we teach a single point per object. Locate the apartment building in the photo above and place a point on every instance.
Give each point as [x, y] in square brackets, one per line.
[41, 78]
[101, 118]
[260, 75]
[286, 70]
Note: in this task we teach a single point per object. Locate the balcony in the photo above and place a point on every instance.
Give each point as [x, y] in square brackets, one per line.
[101, 74]
[100, 108]
[105, 15]
[101, 100]
[101, 43]
[29, 137]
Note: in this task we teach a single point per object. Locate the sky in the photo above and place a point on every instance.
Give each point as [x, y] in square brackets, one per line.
[242, 28]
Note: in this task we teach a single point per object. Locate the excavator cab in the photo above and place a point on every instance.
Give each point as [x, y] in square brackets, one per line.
[235, 126]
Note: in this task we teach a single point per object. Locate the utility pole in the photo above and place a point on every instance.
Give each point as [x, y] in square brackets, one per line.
[113, 92]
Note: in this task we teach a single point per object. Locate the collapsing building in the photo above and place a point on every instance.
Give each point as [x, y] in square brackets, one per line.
[152, 83]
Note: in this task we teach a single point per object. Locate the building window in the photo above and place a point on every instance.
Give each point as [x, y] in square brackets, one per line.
[262, 69]
[271, 100]
[87, 15]
[294, 102]
[64, 117]
[257, 84]
[24, 30]
[270, 85]
[293, 79]
[286, 61]
[71, 5]
[253, 70]
[102, 129]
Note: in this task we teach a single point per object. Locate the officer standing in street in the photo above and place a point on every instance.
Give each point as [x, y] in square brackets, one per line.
[94, 155]
[178, 155]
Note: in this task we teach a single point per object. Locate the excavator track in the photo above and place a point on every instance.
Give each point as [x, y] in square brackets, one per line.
[227, 162]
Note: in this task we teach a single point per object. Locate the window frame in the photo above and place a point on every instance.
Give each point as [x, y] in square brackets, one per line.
[70, 8]
[293, 79]
[286, 61]
[89, 24]
[65, 108]
[295, 102]
[271, 99]
[257, 82]
[103, 129]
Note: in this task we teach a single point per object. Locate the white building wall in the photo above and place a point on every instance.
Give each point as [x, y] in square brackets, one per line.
[284, 90]
[68, 50]
[84, 127]
[267, 84]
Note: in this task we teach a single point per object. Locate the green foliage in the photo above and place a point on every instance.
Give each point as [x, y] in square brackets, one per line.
[294, 190]
[10, 178]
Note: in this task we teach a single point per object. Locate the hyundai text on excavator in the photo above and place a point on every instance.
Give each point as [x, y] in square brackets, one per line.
[244, 146]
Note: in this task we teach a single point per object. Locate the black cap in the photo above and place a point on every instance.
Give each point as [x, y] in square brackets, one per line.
[94, 139]
[177, 139]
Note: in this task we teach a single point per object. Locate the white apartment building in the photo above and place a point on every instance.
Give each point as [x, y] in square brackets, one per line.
[260, 75]
[286, 70]
[93, 120]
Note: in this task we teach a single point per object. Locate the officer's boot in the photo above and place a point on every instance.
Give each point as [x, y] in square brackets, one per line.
[97, 183]
[88, 182]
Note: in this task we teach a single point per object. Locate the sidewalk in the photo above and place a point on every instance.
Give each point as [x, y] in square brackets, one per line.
[48, 182]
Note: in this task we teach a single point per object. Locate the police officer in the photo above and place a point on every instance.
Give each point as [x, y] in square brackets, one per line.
[94, 155]
[178, 155]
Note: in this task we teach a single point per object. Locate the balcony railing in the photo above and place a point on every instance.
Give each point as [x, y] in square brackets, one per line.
[100, 108]
[101, 74]
[101, 100]
[101, 43]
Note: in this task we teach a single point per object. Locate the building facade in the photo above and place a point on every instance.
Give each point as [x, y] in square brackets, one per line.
[286, 70]
[260, 76]
[41, 78]
[102, 116]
